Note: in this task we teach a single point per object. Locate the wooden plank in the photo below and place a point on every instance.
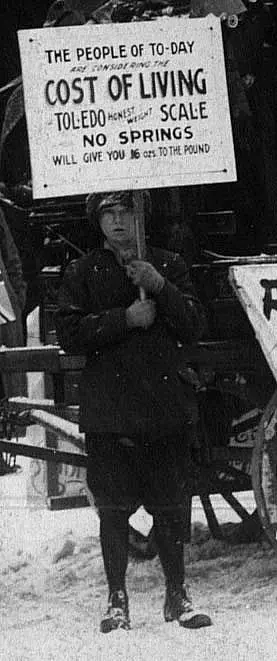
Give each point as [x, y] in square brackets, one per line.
[30, 359]
[45, 454]
[64, 428]
[25, 403]
[49, 358]
[67, 502]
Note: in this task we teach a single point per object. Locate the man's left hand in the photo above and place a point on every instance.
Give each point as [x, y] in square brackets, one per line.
[143, 274]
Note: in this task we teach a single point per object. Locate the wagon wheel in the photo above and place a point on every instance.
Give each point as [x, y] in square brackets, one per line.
[229, 421]
[264, 470]
[221, 465]
[230, 414]
[221, 477]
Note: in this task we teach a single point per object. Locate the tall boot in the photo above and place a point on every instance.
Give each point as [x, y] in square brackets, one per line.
[114, 544]
[169, 536]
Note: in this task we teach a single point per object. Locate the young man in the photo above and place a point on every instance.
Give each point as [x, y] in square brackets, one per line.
[138, 415]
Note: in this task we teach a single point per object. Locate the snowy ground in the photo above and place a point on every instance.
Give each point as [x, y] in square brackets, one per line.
[51, 603]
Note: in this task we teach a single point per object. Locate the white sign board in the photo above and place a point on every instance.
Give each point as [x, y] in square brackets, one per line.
[256, 288]
[126, 106]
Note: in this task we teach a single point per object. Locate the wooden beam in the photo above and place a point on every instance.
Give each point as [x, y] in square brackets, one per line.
[65, 429]
[45, 454]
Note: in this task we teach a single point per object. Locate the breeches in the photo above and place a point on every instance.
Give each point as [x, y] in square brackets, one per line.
[124, 475]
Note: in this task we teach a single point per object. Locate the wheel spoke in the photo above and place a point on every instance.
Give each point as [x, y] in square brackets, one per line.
[211, 516]
[236, 506]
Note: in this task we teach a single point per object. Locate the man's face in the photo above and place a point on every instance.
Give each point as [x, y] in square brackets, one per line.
[118, 226]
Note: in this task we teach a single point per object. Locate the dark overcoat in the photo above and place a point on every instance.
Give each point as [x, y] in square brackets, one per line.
[131, 384]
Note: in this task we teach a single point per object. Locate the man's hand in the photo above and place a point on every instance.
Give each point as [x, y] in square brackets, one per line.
[143, 274]
[141, 314]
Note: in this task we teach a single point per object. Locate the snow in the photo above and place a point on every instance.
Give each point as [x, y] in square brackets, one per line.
[51, 604]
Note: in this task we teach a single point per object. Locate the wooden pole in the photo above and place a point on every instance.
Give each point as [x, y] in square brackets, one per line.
[140, 232]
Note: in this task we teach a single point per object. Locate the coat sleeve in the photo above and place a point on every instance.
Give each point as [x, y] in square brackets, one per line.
[178, 302]
[80, 330]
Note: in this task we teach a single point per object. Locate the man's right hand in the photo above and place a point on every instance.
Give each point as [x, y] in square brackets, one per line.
[141, 314]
